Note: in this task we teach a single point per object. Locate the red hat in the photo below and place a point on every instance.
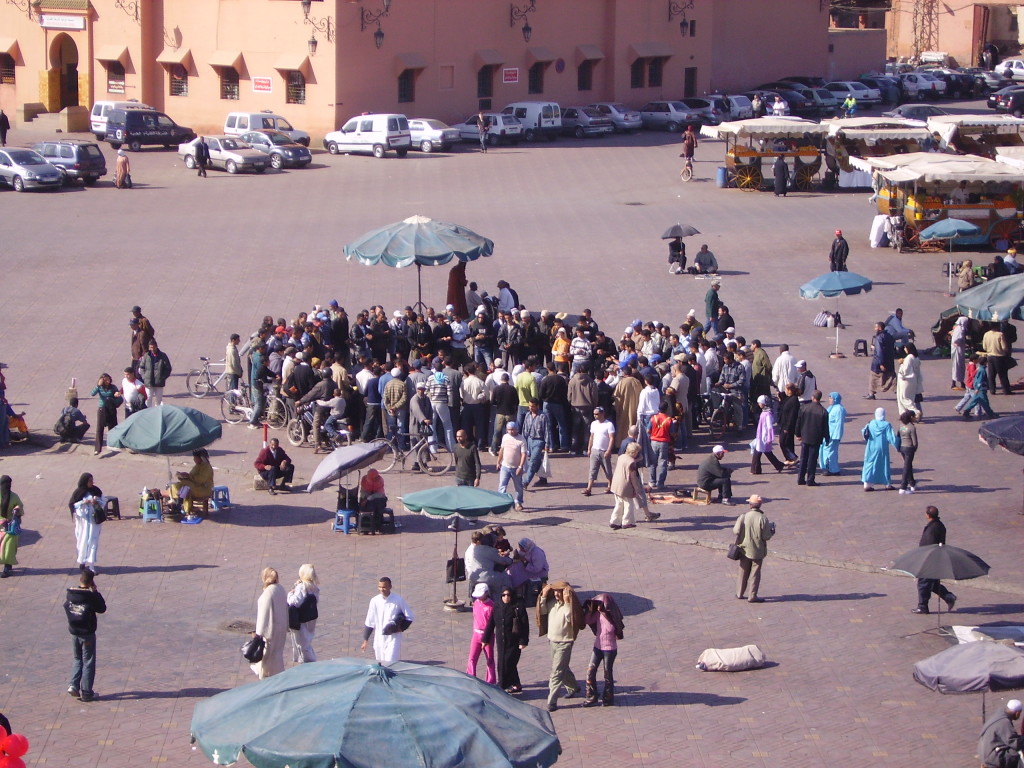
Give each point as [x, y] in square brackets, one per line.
[839, 233]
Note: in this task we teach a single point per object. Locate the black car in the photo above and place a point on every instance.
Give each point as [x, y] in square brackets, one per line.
[283, 151]
[1014, 104]
[74, 158]
[799, 104]
[809, 82]
[135, 127]
[996, 98]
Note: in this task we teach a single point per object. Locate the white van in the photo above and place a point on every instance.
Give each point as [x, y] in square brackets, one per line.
[539, 118]
[100, 110]
[372, 134]
[237, 123]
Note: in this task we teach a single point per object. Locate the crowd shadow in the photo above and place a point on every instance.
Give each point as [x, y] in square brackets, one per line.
[258, 515]
[184, 693]
[121, 570]
[822, 598]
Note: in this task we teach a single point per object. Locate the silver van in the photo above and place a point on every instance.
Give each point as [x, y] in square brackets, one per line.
[237, 123]
[540, 119]
[371, 134]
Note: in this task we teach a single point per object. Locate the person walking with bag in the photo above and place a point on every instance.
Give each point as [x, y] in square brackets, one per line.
[86, 507]
[11, 511]
[106, 414]
[752, 531]
[271, 625]
[81, 606]
[303, 611]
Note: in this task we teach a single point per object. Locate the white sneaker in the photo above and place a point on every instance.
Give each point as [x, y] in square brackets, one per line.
[902, 491]
[727, 502]
[911, 489]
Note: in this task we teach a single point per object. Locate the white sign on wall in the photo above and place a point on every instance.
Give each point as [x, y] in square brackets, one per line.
[54, 21]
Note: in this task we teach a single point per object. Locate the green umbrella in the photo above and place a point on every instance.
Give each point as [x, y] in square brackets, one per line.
[994, 300]
[165, 429]
[345, 713]
[458, 501]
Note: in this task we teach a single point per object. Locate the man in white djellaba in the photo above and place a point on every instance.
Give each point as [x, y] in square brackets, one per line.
[388, 616]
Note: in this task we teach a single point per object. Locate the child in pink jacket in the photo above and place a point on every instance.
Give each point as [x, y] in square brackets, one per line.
[483, 633]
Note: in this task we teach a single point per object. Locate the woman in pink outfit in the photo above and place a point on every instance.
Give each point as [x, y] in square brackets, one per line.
[483, 633]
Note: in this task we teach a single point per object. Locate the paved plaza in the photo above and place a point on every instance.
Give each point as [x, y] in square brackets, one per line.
[575, 224]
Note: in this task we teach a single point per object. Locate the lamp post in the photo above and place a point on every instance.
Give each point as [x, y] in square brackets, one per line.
[677, 9]
[515, 13]
[366, 18]
[312, 43]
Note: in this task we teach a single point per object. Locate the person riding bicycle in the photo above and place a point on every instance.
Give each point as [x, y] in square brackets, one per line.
[338, 406]
[731, 380]
[323, 389]
[850, 106]
[689, 145]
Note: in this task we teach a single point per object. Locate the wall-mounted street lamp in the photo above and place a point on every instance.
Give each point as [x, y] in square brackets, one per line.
[515, 13]
[366, 18]
[680, 8]
[325, 25]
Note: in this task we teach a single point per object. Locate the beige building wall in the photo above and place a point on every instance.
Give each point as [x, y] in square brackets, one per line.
[961, 29]
[723, 45]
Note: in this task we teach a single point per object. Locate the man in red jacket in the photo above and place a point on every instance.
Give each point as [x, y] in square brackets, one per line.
[274, 464]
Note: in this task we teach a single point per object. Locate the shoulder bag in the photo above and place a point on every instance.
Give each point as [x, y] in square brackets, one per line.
[735, 551]
[252, 649]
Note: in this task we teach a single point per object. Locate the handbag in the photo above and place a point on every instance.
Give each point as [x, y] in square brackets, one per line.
[455, 570]
[252, 649]
[735, 551]
[300, 614]
[14, 526]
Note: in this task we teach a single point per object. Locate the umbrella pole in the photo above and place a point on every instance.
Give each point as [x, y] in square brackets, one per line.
[419, 306]
[837, 354]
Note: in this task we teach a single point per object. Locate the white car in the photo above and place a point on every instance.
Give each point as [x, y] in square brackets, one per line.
[1011, 69]
[863, 94]
[227, 152]
[500, 128]
[428, 135]
[931, 86]
[27, 169]
[913, 85]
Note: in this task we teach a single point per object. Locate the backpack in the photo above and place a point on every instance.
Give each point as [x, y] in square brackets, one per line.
[63, 425]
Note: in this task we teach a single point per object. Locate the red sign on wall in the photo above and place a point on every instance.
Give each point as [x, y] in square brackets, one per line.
[510, 75]
[262, 85]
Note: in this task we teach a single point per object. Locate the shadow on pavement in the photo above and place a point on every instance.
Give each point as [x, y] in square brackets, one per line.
[630, 605]
[638, 697]
[993, 609]
[802, 598]
[272, 517]
[184, 693]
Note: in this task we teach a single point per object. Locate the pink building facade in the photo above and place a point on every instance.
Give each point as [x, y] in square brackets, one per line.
[198, 60]
[960, 30]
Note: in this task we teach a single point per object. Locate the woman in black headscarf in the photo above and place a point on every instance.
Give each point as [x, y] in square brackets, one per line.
[11, 510]
[87, 530]
[511, 635]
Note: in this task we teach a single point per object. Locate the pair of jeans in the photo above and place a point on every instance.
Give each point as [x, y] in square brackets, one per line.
[443, 414]
[371, 426]
[83, 671]
[722, 484]
[582, 417]
[271, 475]
[659, 468]
[535, 449]
[483, 356]
[608, 657]
[557, 417]
[643, 436]
[474, 421]
[511, 473]
[908, 466]
[398, 423]
[259, 403]
[500, 420]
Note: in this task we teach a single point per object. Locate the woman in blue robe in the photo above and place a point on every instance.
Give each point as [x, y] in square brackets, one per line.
[828, 454]
[879, 435]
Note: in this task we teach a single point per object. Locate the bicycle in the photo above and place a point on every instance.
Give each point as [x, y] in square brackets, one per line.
[687, 173]
[200, 381]
[430, 458]
[237, 405]
[728, 414]
[300, 429]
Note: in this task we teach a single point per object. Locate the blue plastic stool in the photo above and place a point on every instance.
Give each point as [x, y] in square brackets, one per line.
[346, 520]
[151, 510]
[221, 498]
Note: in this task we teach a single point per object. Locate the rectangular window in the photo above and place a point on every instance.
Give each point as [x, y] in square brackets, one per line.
[407, 86]
[636, 73]
[229, 83]
[655, 67]
[536, 78]
[585, 76]
[179, 81]
[689, 82]
[6, 69]
[295, 90]
[115, 77]
[693, 29]
[446, 77]
[485, 81]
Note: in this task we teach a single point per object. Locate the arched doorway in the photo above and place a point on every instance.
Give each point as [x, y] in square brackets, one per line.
[64, 60]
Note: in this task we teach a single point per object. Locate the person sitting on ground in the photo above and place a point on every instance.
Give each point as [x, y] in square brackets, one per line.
[274, 465]
[712, 475]
[704, 263]
[372, 497]
[195, 485]
[73, 422]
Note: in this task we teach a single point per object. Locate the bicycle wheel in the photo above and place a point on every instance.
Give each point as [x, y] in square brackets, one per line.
[716, 426]
[687, 173]
[387, 461]
[296, 432]
[435, 462]
[276, 416]
[198, 383]
[229, 407]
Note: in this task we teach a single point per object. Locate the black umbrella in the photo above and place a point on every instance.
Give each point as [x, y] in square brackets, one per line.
[679, 230]
[1006, 433]
[972, 667]
[939, 561]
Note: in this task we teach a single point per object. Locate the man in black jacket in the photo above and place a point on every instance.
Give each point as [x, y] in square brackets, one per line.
[934, 533]
[839, 253]
[554, 393]
[81, 606]
[883, 362]
[812, 431]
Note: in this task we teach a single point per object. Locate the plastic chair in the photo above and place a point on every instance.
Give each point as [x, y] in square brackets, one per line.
[152, 510]
[346, 520]
[112, 507]
[387, 520]
[221, 498]
[860, 348]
